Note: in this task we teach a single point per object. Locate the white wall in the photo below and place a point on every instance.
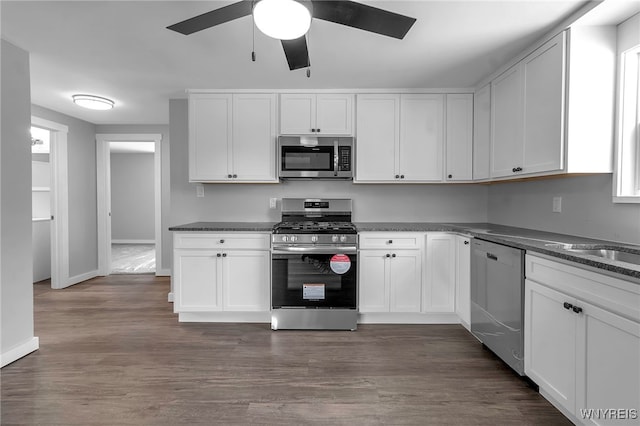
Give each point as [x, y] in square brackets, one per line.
[250, 202]
[132, 197]
[587, 209]
[16, 289]
[81, 157]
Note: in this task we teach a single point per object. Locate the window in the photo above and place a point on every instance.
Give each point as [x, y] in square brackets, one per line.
[627, 167]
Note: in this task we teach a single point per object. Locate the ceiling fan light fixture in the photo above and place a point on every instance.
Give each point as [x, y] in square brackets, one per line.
[282, 19]
[93, 102]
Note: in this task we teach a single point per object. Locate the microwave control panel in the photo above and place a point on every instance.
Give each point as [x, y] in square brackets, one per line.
[344, 158]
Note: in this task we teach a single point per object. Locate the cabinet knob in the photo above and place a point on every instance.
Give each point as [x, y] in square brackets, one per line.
[387, 255]
[218, 255]
[397, 176]
[229, 176]
[235, 176]
[449, 176]
[224, 254]
[313, 130]
[390, 242]
[318, 130]
[567, 305]
[221, 241]
[393, 255]
[401, 176]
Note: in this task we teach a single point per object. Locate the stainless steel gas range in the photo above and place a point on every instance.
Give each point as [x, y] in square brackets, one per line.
[314, 266]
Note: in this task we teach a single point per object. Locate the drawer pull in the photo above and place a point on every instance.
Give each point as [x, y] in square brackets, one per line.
[567, 305]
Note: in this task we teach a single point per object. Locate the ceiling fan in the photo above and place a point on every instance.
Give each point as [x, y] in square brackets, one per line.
[297, 16]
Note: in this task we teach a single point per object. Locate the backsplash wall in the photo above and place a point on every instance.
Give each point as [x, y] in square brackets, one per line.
[587, 209]
[371, 203]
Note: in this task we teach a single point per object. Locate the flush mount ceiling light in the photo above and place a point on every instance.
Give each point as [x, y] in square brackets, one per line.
[282, 19]
[93, 102]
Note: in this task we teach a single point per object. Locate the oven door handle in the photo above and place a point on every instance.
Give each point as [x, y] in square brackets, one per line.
[317, 250]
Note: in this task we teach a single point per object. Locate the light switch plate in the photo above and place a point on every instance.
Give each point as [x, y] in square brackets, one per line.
[557, 204]
[199, 190]
[273, 203]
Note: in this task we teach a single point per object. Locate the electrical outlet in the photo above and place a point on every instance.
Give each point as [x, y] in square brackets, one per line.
[199, 190]
[557, 204]
[273, 203]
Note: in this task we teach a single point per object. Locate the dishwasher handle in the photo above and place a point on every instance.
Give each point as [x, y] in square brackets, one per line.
[492, 256]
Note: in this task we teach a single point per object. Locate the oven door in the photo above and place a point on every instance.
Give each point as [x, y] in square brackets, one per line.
[314, 277]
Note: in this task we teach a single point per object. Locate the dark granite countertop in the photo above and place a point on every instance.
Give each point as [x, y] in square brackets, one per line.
[526, 239]
[547, 243]
[225, 227]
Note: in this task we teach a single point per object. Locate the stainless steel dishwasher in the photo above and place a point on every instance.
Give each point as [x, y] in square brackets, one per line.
[497, 300]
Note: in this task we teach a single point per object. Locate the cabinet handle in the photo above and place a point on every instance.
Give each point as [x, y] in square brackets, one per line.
[390, 242]
[318, 130]
[393, 255]
[218, 255]
[450, 176]
[567, 305]
[466, 243]
[516, 169]
[387, 255]
[235, 176]
[224, 254]
[577, 309]
[221, 241]
[313, 130]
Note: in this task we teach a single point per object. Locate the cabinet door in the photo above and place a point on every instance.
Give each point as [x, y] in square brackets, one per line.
[254, 136]
[405, 280]
[459, 137]
[246, 280]
[463, 279]
[421, 138]
[550, 343]
[373, 291]
[378, 130]
[609, 355]
[297, 114]
[439, 294]
[506, 123]
[209, 137]
[481, 133]
[334, 114]
[544, 95]
[196, 275]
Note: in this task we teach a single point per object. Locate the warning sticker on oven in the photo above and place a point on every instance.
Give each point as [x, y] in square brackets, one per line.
[313, 291]
[340, 263]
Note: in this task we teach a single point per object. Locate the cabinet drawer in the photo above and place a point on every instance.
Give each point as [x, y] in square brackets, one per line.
[222, 241]
[389, 240]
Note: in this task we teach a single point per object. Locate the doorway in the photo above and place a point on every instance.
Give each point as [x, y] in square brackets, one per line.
[54, 189]
[123, 246]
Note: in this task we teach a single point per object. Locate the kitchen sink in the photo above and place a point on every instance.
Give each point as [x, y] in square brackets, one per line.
[604, 251]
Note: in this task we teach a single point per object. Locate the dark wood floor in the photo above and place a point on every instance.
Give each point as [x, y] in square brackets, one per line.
[113, 353]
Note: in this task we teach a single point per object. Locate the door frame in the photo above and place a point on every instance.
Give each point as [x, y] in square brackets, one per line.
[59, 190]
[103, 167]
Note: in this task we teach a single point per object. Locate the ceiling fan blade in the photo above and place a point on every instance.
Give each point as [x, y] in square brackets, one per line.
[213, 18]
[361, 16]
[296, 52]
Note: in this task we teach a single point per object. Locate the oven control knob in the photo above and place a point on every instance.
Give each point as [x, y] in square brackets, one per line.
[293, 238]
[285, 238]
[343, 238]
[314, 238]
[334, 238]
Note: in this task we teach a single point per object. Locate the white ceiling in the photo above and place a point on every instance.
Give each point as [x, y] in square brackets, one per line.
[122, 50]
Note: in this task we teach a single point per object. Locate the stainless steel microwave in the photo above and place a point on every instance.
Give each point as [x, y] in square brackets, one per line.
[315, 157]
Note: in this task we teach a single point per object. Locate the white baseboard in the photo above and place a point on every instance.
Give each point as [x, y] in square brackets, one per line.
[408, 318]
[170, 297]
[163, 272]
[133, 241]
[82, 277]
[19, 351]
[261, 317]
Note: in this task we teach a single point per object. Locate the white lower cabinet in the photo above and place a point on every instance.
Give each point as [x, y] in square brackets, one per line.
[221, 273]
[582, 342]
[440, 273]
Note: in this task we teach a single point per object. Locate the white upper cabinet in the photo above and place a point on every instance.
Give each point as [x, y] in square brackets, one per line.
[316, 114]
[482, 133]
[232, 137]
[399, 138]
[551, 112]
[459, 137]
